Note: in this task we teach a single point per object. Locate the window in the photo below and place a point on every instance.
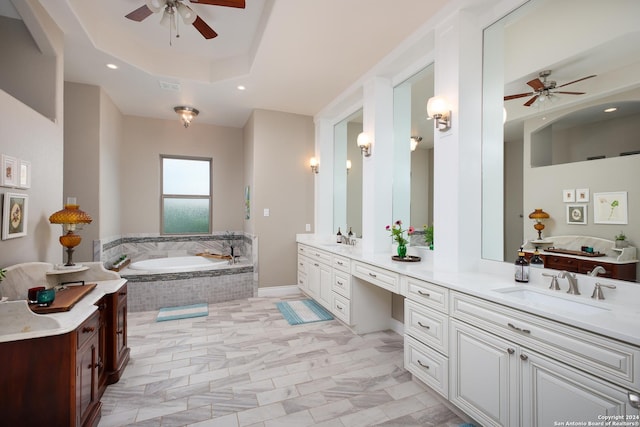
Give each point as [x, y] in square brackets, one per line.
[186, 195]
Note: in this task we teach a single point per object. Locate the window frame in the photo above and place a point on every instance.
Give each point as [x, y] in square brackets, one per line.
[185, 196]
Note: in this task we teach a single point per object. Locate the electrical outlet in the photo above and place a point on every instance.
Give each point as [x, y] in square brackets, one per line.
[307, 227]
[266, 212]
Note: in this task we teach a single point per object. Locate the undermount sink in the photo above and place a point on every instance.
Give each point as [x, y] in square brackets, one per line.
[550, 302]
[17, 318]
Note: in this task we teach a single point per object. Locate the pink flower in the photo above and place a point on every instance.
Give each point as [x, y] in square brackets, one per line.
[398, 222]
[388, 227]
[411, 230]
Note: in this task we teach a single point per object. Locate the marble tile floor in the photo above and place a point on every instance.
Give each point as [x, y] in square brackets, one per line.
[244, 365]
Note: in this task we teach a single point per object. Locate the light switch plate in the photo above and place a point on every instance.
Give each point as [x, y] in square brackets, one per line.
[266, 212]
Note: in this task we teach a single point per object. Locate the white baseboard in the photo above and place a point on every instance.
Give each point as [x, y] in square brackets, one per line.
[278, 291]
[396, 326]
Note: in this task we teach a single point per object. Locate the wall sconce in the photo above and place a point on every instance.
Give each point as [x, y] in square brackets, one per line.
[415, 140]
[186, 114]
[70, 217]
[348, 165]
[538, 215]
[364, 142]
[313, 162]
[438, 110]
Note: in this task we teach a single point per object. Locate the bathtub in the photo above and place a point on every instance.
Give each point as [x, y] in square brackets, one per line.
[178, 264]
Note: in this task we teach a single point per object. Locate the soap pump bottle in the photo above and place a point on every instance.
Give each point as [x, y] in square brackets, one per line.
[339, 236]
[536, 260]
[521, 268]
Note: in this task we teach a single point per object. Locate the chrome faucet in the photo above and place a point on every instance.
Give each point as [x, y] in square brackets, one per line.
[573, 282]
[597, 291]
[598, 269]
[351, 241]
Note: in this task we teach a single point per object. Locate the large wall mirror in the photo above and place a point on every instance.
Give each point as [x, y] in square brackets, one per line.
[347, 175]
[413, 150]
[561, 111]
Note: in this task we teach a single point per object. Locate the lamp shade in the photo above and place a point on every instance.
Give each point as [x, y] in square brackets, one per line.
[538, 214]
[71, 214]
[437, 107]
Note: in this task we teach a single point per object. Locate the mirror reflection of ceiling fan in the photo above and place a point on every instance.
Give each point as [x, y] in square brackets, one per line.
[545, 89]
[171, 8]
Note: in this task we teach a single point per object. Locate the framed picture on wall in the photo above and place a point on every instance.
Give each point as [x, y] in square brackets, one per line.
[569, 196]
[577, 214]
[10, 172]
[610, 208]
[24, 179]
[582, 195]
[14, 216]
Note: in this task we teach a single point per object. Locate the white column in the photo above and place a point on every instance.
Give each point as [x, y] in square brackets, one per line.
[324, 179]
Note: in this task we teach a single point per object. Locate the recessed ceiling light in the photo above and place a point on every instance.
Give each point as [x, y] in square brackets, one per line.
[112, 66]
[611, 110]
[241, 87]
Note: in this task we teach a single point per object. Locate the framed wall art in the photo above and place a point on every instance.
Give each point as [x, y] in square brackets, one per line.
[14, 216]
[577, 214]
[610, 208]
[582, 195]
[10, 172]
[24, 180]
[569, 196]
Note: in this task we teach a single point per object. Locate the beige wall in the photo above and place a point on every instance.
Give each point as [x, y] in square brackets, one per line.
[248, 138]
[144, 140]
[283, 183]
[26, 134]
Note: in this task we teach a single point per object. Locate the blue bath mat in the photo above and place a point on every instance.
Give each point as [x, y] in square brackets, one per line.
[303, 311]
[182, 312]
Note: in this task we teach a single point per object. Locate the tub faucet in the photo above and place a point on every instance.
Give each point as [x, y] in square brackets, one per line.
[233, 258]
[573, 282]
[598, 269]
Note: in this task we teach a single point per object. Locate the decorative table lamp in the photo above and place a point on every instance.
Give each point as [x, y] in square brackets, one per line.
[70, 217]
[538, 216]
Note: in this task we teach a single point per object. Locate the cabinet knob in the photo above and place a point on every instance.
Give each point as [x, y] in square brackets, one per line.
[88, 329]
[524, 357]
[511, 350]
[122, 293]
[119, 331]
[422, 364]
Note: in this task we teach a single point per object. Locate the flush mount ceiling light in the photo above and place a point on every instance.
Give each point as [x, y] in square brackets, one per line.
[186, 114]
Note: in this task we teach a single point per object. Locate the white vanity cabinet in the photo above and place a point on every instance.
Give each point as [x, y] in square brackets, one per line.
[512, 368]
[426, 329]
[316, 278]
[341, 288]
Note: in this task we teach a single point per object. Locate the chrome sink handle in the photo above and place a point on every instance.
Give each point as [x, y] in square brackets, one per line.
[597, 291]
[554, 281]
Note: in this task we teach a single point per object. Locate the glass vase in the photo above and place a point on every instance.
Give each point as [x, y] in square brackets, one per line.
[402, 250]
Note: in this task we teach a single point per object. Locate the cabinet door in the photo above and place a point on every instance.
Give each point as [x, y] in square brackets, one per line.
[121, 325]
[553, 392]
[324, 295]
[87, 400]
[483, 376]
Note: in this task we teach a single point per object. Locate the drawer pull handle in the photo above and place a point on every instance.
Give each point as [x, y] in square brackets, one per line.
[524, 357]
[510, 350]
[339, 263]
[317, 265]
[426, 294]
[524, 331]
[422, 364]
[372, 275]
[339, 283]
[119, 331]
[301, 264]
[424, 326]
[88, 329]
[338, 307]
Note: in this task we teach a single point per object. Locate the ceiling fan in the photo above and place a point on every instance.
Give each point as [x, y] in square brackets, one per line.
[172, 8]
[543, 89]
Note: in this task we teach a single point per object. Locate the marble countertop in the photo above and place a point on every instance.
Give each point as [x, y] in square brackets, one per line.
[18, 322]
[618, 315]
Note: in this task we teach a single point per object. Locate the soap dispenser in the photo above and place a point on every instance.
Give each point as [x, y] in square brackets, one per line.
[521, 268]
[339, 236]
[536, 260]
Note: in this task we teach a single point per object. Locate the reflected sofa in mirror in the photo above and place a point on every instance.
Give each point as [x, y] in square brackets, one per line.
[413, 159]
[559, 141]
[347, 175]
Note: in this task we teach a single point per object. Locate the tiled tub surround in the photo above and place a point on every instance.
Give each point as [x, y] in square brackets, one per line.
[155, 291]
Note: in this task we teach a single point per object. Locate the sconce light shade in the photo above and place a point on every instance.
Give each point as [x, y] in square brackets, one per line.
[438, 110]
[538, 215]
[348, 165]
[186, 114]
[313, 162]
[364, 142]
[415, 140]
[70, 217]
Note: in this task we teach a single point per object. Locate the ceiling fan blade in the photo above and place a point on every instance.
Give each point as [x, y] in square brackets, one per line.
[536, 84]
[576, 81]
[228, 3]
[140, 13]
[531, 101]
[519, 95]
[206, 31]
[569, 93]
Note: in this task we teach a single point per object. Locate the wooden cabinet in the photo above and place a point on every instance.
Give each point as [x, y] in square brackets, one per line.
[117, 351]
[577, 265]
[87, 399]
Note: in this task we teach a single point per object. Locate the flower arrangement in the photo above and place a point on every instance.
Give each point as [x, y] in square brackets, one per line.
[398, 233]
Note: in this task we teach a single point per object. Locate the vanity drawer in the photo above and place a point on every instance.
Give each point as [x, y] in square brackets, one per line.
[315, 254]
[341, 263]
[426, 364]
[380, 277]
[604, 357]
[341, 283]
[561, 263]
[88, 329]
[426, 293]
[341, 307]
[426, 325]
